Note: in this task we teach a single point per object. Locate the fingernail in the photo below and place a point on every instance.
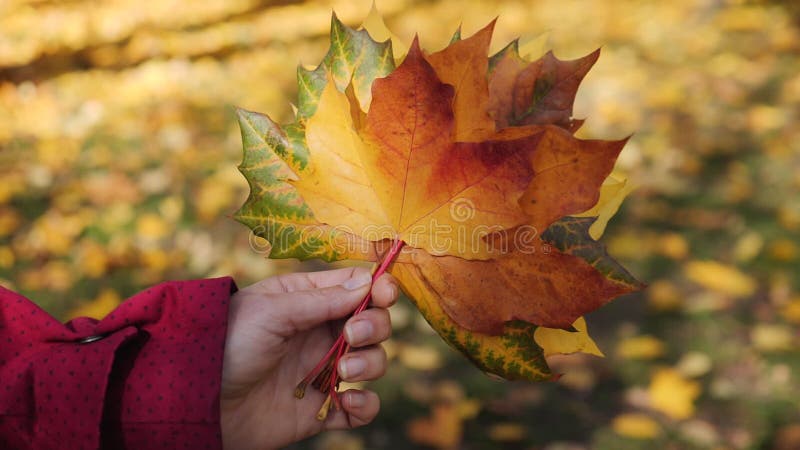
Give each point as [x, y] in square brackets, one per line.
[360, 280]
[352, 367]
[358, 331]
[357, 399]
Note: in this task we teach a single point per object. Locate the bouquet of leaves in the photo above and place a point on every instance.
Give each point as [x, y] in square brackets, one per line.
[457, 172]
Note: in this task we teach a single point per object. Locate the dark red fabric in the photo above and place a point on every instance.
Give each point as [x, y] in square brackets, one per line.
[152, 382]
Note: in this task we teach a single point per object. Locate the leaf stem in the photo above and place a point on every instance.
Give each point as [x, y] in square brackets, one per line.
[324, 376]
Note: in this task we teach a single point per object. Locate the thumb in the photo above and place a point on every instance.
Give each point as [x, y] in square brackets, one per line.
[303, 310]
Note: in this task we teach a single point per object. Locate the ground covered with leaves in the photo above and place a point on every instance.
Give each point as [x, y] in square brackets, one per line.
[118, 164]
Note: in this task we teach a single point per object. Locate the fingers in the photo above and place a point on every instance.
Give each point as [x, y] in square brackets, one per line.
[301, 301]
[369, 327]
[360, 406]
[305, 309]
[303, 281]
[385, 291]
[363, 365]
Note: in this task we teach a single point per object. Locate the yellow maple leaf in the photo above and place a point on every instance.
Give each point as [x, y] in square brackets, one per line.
[337, 187]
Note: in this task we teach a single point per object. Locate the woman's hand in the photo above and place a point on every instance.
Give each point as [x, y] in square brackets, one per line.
[278, 329]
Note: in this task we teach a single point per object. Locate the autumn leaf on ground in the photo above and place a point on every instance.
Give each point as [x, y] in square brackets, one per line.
[672, 394]
[468, 161]
[442, 430]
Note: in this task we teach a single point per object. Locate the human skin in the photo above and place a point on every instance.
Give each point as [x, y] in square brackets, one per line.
[278, 329]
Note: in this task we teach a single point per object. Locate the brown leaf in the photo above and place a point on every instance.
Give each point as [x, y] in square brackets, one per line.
[536, 284]
[541, 92]
[442, 430]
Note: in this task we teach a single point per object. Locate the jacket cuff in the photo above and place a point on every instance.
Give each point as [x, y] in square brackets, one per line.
[52, 387]
[164, 388]
[147, 376]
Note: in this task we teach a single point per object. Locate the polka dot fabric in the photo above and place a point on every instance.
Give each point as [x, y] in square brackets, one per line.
[152, 382]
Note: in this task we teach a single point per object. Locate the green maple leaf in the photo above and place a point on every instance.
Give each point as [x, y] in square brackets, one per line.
[273, 155]
[274, 210]
[352, 57]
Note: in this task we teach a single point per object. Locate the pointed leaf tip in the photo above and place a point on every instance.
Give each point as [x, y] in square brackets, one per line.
[415, 48]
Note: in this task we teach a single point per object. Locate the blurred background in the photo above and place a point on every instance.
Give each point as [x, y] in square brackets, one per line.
[118, 155]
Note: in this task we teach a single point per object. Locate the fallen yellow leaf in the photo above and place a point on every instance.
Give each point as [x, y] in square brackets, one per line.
[507, 432]
[151, 227]
[420, 357]
[673, 246]
[9, 221]
[640, 347]
[663, 295]
[720, 278]
[442, 430]
[99, 307]
[636, 426]
[773, 337]
[791, 311]
[672, 394]
[93, 259]
[694, 364]
[6, 258]
[784, 250]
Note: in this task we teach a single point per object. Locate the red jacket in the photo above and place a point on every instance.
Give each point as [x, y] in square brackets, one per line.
[147, 376]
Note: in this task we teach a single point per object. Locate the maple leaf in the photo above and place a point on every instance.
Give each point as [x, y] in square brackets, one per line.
[445, 146]
[568, 176]
[540, 92]
[463, 65]
[274, 210]
[571, 236]
[353, 57]
[513, 355]
[568, 172]
[402, 175]
[518, 351]
[549, 289]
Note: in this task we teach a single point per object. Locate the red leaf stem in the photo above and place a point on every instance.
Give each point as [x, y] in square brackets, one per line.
[324, 375]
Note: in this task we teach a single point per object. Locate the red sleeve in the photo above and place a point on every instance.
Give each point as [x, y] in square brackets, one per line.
[147, 376]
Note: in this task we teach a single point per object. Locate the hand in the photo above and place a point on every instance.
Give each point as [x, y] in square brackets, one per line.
[278, 329]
